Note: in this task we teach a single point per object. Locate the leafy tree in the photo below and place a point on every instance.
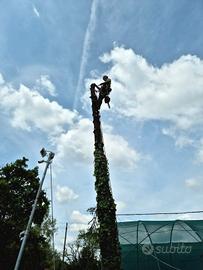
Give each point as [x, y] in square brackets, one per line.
[83, 253]
[18, 188]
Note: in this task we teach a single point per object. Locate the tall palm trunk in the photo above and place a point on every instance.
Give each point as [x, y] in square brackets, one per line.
[106, 208]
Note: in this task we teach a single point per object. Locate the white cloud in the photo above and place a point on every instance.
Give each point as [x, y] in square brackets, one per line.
[1, 79]
[120, 206]
[44, 84]
[189, 216]
[192, 183]
[78, 217]
[77, 144]
[119, 151]
[27, 108]
[36, 12]
[173, 92]
[59, 241]
[76, 227]
[180, 137]
[200, 151]
[65, 194]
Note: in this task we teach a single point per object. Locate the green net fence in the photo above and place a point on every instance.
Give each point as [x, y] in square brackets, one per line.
[161, 245]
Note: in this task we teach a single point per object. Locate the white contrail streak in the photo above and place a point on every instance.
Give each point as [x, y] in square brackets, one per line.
[36, 11]
[85, 51]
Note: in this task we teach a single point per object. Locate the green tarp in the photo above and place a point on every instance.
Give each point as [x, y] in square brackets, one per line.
[161, 245]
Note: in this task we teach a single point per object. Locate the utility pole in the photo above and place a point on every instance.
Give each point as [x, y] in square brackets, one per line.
[22, 247]
[106, 208]
[52, 218]
[64, 246]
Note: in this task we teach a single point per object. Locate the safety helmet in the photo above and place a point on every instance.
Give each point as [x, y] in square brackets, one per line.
[105, 77]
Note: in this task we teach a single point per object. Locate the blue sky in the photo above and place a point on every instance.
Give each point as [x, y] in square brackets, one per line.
[49, 54]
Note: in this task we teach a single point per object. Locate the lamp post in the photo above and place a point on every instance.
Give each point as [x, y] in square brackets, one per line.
[43, 153]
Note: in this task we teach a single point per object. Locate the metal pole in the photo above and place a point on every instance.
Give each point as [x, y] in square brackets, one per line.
[52, 218]
[64, 245]
[20, 254]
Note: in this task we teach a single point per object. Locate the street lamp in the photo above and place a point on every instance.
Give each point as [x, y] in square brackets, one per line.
[44, 153]
[50, 156]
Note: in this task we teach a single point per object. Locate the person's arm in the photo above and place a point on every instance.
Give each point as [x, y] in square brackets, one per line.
[108, 81]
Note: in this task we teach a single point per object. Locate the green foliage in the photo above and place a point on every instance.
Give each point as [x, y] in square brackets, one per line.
[106, 213]
[83, 253]
[18, 188]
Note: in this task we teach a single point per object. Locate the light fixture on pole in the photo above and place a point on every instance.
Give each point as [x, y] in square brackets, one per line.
[50, 157]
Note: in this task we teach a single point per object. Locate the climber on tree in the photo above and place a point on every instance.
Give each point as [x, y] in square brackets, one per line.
[104, 89]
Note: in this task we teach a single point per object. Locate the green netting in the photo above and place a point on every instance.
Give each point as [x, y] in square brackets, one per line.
[161, 245]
